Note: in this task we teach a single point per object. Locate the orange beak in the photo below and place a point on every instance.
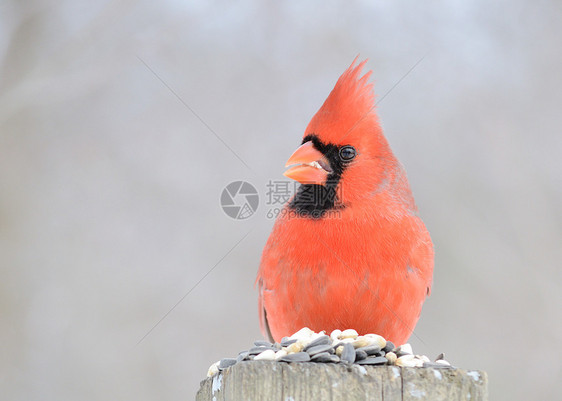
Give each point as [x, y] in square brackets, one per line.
[311, 165]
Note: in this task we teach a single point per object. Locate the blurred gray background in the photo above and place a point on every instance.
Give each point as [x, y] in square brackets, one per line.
[110, 185]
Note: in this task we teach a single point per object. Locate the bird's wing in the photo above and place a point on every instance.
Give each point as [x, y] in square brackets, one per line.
[421, 258]
[264, 325]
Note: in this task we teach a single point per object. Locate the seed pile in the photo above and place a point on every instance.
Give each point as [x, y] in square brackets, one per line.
[346, 347]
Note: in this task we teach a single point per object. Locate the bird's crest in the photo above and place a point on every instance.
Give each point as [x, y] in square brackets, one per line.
[351, 101]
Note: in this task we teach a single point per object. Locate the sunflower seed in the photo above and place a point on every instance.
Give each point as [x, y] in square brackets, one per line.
[339, 349]
[260, 343]
[360, 354]
[295, 347]
[376, 339]
[303, 334]
[259, 350]
[241, 356]
[320, 348]
[388, 347]
[267, 355]
[226, 362]
[349, 333]
[409, 361]
[330, 358]
[280, 354]
[335, 335]
[213, 369]
[378, 360]
[325, 357]
[370, 349]
[296, 357]
[348, 353]
[436, 365]
[362, 341]
[286, 341]
[406, 348]
[322, 340]
[391, 356]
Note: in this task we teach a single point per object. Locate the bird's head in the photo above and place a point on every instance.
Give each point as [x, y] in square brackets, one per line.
[343, 146]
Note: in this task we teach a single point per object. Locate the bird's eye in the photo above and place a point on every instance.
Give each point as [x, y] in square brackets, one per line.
[347, 153]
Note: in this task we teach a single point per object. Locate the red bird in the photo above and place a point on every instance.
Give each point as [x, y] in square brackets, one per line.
[348, 250]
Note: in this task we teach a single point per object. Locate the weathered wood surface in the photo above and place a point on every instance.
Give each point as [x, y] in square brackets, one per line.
[274, 381]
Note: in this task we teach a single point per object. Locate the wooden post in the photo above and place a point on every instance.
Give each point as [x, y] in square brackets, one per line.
[277, 381]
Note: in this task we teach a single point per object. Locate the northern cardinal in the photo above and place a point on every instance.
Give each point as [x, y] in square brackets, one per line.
[348, 250]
